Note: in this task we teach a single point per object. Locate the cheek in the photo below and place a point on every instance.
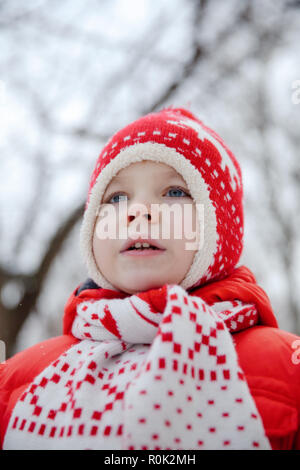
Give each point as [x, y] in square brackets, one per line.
[191, 228]
[104, 242]
[184, 224]
[98, 248]
[104, 255]
[112, 222]
[110, 217]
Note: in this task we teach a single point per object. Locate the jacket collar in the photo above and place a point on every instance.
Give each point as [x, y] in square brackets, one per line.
[239, 285]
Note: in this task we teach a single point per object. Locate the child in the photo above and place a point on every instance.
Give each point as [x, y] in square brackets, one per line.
[168, 344]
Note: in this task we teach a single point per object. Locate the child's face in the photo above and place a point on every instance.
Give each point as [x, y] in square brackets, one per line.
[146, 183]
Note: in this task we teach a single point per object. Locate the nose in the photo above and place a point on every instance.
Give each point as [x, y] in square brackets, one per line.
[143, 211]
[132, 217]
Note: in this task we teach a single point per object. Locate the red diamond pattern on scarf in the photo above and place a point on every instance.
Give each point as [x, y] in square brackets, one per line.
[178, 387]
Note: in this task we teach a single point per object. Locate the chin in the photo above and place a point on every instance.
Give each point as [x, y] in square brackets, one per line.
[140, 285]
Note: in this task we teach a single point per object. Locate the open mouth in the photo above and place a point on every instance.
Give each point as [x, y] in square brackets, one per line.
[142, 249]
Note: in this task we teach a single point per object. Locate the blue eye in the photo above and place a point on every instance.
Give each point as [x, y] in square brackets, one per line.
[119, 197]
[116, 195]
[180, 191]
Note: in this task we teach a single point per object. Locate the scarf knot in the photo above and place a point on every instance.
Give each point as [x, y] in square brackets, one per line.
[136, 318]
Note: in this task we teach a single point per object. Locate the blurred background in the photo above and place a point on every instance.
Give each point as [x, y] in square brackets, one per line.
[73, 72]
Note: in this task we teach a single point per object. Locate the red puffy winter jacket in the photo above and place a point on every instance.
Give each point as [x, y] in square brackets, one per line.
[269, 357]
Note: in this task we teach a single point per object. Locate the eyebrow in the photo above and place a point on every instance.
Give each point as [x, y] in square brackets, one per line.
[121, 179]
[167, 174]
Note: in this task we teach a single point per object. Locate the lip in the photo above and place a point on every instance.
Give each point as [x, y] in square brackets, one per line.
[145, 252]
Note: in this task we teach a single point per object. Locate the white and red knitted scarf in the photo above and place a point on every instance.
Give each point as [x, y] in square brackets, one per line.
[155, 370]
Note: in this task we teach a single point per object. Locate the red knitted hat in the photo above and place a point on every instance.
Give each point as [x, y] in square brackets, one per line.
[213, 176]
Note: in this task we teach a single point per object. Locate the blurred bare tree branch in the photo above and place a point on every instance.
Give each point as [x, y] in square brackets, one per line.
[78, 73]
[12, 319]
